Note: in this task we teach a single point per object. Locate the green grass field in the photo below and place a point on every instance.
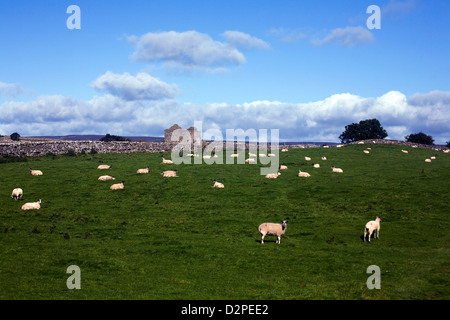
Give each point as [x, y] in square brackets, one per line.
[179, 238]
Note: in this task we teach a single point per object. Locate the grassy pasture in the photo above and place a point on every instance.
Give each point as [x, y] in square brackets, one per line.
[179, 238]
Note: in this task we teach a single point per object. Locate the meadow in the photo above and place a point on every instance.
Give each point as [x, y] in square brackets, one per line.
[179, 238]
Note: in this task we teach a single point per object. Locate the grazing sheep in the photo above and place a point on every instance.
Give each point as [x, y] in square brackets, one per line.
[106, 178]
[324, 158]
[272, 175]
[218, 184]
[32, 205]
[166, 161]
[118, 186]
[272, 229]
[307, 158]
[103, 167]
[338, 170]
[36, 172]
[303, 174]
[170, 173]
[17, 193]
[372, 226]
[316, 165]
[143, 170]
[283, 167]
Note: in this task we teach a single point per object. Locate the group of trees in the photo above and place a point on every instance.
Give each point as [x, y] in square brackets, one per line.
[372, 129]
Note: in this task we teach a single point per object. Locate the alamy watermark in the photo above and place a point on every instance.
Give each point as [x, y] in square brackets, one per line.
[74, 281]
[374, 281]
[208, 147]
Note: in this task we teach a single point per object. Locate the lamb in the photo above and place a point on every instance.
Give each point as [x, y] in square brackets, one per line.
[372, 226]
[106, 178]
[218, 184]
[273, 175]
[283, 167]
[170, 173]
[143, 170]
[36, 172]
[303, 174]
[166, 161]
[17, 193]
[103, 167]
[272, 229]
[118, 186]
[32, 205]
[338, 170]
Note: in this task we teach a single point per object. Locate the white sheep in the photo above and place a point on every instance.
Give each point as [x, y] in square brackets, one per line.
[284, 150]
[273, 175]
[338, 170]
[118, 186]
[372, 226]
[32, 205]
[307, 158]
[250, 160]
[252, 155]
[272, 229]
[404, 151]
[433, 158]
[218, 184]
[283, 167]
[17, 193]
[427, 160]
[103, 167]
[271, 155]
[262, 155]
[303, 174]
[316, 165]
[36, 172]
[324, 158]
[106, 178]
[169, 173]
[366, 151]
[145, 170]
[166, 161]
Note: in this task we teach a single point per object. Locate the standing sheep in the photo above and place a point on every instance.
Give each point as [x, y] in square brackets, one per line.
[372, 226]
[17, 193]
[32, 205]
[36, 172]
[272, 229]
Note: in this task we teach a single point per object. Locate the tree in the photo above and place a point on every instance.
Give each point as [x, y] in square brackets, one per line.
[15, 136]
[365, 129]
[420, 137]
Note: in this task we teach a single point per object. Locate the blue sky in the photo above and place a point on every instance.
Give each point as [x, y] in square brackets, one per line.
[307, 68]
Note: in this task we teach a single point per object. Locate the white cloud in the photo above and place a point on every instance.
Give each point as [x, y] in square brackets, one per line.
[348, 36]
[139, 87]
[241, 39]
[398, 8]
[11, 89]
[322, 120]
[287, 35]
[190, 49]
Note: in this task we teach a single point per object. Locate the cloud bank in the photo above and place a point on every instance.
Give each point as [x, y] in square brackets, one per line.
[322, 120]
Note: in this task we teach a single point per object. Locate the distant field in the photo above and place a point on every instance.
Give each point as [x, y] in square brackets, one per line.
[179, 238]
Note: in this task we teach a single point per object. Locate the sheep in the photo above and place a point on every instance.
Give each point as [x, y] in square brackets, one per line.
[143, 170]
[284, 150]
[262, 155]
[283, 167]
[166, 161]
[404, 151]
[272, 229]
[207, 157]
[316, 165]
[366, 151]
[118, 186]
[324, 158]
[303, 174]
[273, 175]
[106, 178]
[338, 170]
[433, 158]
[218, 184]
[170, 173]
[446, 151]
[32, 205]
[252, 155]
[103, 167]
[307, 158]
[372, 226]
[17, 193]
[36, 172]
[271, 155]
[250, 160]
[427, 160]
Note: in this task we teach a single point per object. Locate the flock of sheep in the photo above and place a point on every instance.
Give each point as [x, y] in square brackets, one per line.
[273, 229]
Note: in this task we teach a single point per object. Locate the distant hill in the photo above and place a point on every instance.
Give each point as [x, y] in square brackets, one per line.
[95, 137]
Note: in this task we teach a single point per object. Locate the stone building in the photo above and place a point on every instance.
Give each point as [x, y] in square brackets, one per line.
[196, 136]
